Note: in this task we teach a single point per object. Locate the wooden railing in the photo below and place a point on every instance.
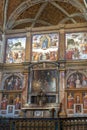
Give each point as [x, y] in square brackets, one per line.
[78, 123]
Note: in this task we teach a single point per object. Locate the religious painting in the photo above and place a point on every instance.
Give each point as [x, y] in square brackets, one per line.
[76, 46]
[70, 100]
[15, 50]
[17, 101]
[45, 47]
[13, 82]
[4, 102]
[10, 109]
[78, 108]
[78, 97]
[45, 80]
[84, 100]
[77, 80]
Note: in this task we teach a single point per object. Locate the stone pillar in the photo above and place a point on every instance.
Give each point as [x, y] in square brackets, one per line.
[62, 45]
[62, 93]
[25, 88]
[28, 48]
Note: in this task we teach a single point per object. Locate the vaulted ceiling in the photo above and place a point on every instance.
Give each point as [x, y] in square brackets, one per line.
[19, 14]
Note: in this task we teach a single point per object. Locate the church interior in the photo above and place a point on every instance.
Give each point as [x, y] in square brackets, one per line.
[43, 58]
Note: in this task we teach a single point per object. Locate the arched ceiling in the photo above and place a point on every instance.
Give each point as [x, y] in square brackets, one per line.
[19, 14]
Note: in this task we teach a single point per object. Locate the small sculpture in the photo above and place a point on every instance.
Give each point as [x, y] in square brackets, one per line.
[41, 98]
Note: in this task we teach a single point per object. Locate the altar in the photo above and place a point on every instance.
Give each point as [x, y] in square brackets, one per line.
[45, 111]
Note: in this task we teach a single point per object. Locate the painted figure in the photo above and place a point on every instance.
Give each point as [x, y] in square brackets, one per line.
[84, 82]
[4, 102]
[70, 101]
[17, 102]
[77, 99]
[78, 83]
[85, 100]
[45, 43]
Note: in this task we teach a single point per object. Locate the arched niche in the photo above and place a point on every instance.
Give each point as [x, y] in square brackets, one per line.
[12, 82]
[43, 76]
[76, 79]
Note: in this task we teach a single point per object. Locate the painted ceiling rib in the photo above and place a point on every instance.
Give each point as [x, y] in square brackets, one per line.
[38, 14]
[30, 20]
[21, 8]
[63, 11]
[72, 15]
[5, 13]
[80, 7]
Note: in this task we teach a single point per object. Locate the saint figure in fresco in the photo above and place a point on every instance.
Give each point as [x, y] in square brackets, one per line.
[84, 82]
[78, 82]
[17, 102]
[70, 101]
[4, 102]
[45, 43]
[77, 99]
[71, 82]
[85, 100]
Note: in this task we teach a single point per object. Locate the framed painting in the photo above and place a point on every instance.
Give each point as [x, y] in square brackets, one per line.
[76, 45]
[78, 108]
[45, 80]
[77, 80]
[13, 82]
[15, 50]
[10, 109]
[45, 47]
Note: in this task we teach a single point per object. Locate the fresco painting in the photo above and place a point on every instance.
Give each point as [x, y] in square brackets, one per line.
[45, 47]
[77, 80]
[13, 83]
[15, 50]
[76, 46]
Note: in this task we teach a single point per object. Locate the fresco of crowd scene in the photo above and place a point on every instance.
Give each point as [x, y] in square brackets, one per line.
[76, 46]
[15, 50]
[13, 83]
[45, 47]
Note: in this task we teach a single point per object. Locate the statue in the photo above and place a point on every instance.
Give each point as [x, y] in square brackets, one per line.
[78, 83]
[41, 98]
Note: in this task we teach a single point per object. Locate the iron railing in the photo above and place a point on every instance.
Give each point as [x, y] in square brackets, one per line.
[75, 123]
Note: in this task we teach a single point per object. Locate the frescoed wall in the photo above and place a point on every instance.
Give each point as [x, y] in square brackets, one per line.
[77, 80]
[45, 47]
[15, 50]
[76, 93]
[76, 46]
[52, 62]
